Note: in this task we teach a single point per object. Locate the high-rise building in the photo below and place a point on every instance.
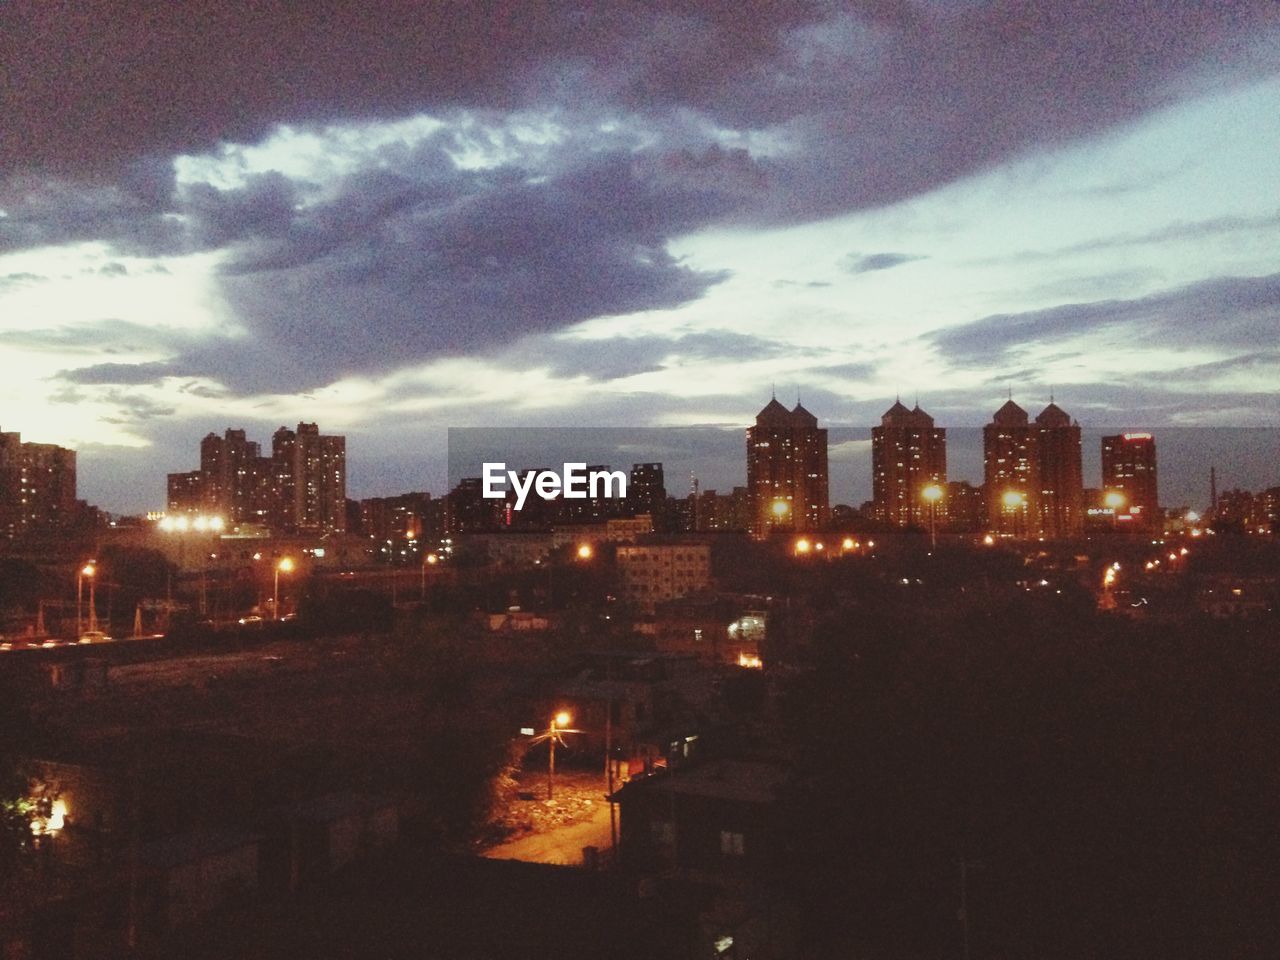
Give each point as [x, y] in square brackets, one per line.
[310, 479]
[1008, 470]
[1129, 486]
[786, 470]
[1059, 475]
[908, 454]
[234, 480]
[1033, 475]
[186, 492]
[646, 489]
[37, 486]
[301, 486]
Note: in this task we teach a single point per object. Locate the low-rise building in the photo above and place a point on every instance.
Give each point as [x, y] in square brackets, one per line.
[651, 573]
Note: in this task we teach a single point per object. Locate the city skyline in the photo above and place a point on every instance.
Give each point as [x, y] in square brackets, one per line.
[627, 213]
[1245, 459]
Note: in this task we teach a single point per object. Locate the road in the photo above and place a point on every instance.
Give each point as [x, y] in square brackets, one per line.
[562, 845]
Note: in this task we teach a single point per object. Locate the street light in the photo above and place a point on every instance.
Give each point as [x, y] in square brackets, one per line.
[1114, 499]
[559, 724]
[1014, 500]
[933, 493]
[284, 566]
[429, 560]
[584, 551]
[89, 571]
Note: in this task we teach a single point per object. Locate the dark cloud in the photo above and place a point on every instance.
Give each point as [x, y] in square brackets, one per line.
[1238, 312]
[879, 99]
[728, 114]
[399, 269]
[870, 262]
[118, 373]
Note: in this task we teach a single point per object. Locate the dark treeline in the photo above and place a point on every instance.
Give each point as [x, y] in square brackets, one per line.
[1113, 785]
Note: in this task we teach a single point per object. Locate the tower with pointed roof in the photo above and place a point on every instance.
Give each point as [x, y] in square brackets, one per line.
[908, 453]
[1033, 478]
[787, 477]
[1009, 470]
[1061, 475]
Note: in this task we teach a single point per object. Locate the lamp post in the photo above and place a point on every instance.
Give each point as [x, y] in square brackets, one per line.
[933, 493]
[89, 571]
[559, 724]
[284, 566]
[429, 560]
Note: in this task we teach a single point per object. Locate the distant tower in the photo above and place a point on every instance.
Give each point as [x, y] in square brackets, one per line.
[1009, 470]
[646, 491]
[1060, 510]
[1129, 468]
[786, 470]
[908, 453]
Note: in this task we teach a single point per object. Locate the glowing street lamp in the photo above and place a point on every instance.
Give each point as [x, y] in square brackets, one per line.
[88, 571]
[1115, 500]
[780, 508]
[1014, 501]
[803, 546]
[284, 566]
[430, 560]
[584, 551]
[559, 724]
[933, 493]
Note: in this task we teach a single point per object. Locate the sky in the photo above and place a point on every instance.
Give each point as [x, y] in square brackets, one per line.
[397, 218]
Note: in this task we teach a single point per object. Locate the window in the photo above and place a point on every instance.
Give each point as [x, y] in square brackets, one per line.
[731, 844]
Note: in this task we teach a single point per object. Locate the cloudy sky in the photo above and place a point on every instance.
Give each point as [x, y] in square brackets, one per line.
[396, 218]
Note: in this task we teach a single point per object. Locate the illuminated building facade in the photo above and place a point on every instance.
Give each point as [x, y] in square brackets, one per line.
[310, 479]
[1008, 470]
[1059, 475]
[1129, 470]
[1033, 474]
[409, 516]
[646, 489]
[786, 470]
[37, 486]
[908, 455]
[301, 486]
[652, 573]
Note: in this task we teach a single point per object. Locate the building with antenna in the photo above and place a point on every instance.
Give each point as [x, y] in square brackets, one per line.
[787, 475]
[908, 455]
[1033, 474]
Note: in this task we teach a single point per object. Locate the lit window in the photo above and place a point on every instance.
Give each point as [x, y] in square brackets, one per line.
[731, 844]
